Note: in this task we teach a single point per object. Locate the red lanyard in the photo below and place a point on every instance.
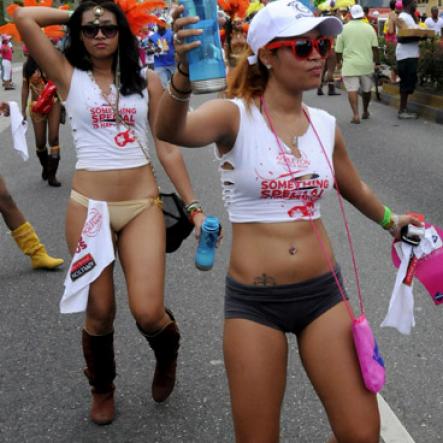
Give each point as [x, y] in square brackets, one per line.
[342, 208]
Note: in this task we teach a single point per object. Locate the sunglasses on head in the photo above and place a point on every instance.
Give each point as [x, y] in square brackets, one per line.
[91, 31]
[302, 47]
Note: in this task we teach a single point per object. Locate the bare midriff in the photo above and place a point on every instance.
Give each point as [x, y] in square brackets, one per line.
[117, 184]
[266, 254]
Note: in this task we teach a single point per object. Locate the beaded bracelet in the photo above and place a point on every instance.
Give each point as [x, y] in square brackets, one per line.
[195, 204]
[176, 97]
[179, 91]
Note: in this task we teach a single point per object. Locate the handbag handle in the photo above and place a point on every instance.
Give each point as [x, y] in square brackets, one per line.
[340, 199]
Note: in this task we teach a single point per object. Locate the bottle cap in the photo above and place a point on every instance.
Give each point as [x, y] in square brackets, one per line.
[211, 222]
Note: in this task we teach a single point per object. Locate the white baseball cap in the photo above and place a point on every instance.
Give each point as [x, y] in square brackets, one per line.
[286, 18]
[356, 11]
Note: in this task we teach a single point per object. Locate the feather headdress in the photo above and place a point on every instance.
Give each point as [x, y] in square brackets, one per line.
[138, 14]
[234, 8]
[52, 32]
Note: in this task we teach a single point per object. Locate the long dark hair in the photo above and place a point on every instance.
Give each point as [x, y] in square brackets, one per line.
[29, 67]
[127, 54]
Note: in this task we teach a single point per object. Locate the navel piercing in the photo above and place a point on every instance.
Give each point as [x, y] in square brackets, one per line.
[292, 250]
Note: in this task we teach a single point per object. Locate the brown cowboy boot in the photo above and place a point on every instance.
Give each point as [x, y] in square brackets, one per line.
[100, 371]
[165, 344]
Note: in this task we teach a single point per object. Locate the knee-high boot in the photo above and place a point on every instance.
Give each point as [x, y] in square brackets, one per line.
[165, 344]
[100, 371]
[42, 155]
[28, 241]
[53, 161]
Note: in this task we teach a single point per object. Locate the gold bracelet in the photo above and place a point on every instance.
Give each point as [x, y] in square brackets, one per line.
[176, 97]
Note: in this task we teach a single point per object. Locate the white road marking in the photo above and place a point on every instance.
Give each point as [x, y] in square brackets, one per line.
[392, 430]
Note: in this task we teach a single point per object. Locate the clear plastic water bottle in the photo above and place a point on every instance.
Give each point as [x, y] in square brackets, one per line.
[207, 71]
[205, 253]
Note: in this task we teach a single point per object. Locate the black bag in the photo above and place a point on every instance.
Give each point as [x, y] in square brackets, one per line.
[178, 226]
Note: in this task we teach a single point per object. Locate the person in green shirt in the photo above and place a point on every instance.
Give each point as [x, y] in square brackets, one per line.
[357, 50]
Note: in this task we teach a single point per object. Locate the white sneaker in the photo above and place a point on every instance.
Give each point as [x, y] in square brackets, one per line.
[405, 115]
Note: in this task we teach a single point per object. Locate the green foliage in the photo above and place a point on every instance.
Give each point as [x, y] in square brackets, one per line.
[430, 65]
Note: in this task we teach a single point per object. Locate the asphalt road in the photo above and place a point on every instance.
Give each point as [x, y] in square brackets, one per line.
[43, 394]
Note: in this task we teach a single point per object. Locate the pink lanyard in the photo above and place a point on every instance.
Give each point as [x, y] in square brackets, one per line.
[342, 208]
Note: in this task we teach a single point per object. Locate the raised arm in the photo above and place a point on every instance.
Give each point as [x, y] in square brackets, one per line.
[169, 155]
[51, 61]
[216, 121]
[357, 192]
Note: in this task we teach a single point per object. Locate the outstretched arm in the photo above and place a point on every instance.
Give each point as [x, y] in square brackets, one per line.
[29, 22]
[358, 193]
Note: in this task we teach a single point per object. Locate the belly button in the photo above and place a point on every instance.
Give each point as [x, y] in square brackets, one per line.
[292, 250]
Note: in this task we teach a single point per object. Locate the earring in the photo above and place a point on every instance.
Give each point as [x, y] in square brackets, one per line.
[268, 67]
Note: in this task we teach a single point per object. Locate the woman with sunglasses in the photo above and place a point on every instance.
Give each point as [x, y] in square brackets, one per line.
[276, 158]
[111, 108]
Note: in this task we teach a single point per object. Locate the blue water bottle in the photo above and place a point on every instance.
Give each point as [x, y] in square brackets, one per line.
[205, 253]
[207, 72]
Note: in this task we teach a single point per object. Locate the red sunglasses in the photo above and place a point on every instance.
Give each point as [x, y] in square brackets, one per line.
[302, 47]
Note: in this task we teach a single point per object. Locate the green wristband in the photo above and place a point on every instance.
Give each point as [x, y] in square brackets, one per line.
[386, 218]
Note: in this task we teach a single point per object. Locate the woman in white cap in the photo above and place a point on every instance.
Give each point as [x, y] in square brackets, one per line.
[275, 155]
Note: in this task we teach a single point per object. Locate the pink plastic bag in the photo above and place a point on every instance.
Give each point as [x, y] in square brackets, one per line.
[371, 362]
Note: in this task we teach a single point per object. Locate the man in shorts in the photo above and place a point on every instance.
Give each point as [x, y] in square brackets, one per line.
[357, 50]
[407, 55]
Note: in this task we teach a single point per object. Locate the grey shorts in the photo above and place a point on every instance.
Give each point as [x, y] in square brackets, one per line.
[288, 308]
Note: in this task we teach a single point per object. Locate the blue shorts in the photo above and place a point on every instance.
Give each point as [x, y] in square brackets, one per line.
[288, 308]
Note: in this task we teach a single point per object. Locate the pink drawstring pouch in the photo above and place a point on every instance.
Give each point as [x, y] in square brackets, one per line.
[371, 362]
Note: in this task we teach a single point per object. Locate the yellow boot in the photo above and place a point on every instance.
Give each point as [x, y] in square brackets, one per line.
[28, 241]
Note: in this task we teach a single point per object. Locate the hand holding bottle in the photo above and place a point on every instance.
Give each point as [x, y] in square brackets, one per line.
[180, 34]
[209, 236]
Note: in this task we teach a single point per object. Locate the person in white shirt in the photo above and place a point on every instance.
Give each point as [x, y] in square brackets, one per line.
[112, 108]
[435, 22]
[276, 159]
[407, 55]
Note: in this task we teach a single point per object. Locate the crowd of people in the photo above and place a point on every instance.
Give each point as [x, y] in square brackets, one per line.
[121, 90]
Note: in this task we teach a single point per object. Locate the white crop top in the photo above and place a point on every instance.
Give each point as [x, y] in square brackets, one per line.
[262, 185]
[100, 144]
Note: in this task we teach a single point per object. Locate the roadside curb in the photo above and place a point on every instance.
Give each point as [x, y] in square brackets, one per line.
[425, 105]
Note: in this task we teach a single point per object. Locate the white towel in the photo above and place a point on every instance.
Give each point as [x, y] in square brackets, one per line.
[94, 252]
[19, 126]
[401, 306]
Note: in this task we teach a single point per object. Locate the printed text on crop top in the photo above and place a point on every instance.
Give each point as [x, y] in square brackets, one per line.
[100, 143]
[263, 185]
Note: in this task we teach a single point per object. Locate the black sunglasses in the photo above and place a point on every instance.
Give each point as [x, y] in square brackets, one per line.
[91, 31]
